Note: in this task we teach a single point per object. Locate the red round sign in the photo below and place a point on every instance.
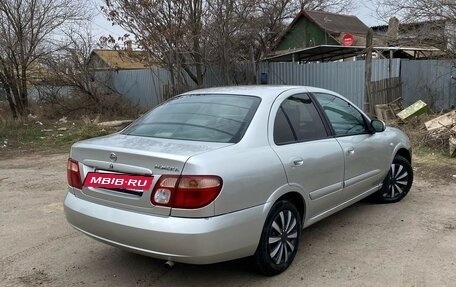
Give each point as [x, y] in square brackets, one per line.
[348, 39]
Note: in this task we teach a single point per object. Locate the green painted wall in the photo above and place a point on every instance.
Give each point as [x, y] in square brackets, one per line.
[305, 34]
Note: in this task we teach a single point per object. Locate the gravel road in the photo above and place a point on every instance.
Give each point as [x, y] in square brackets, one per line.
[411, 243]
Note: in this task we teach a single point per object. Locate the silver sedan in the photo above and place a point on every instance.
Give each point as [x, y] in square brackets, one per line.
[223, 173]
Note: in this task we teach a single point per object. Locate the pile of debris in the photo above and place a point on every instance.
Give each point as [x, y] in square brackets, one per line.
[441, 128]
[444, 127]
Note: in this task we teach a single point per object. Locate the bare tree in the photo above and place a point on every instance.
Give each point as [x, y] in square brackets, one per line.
[336, 6]
[190, 35]
[28, 32]
[69, 67]
[253, 26]
[431, 22]
[169, 30]
[417, 10]
[275, 14]
[72, 83]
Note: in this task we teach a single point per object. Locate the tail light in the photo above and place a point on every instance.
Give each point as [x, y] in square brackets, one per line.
[186, 191]
[73, 174]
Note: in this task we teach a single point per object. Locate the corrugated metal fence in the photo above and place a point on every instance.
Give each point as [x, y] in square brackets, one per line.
[141, 87]
[430, 81]
[345, 78]
[149, 87]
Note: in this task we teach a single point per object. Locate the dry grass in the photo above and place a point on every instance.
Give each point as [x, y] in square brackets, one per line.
[54, 125]
[45, 136]
[108, 107]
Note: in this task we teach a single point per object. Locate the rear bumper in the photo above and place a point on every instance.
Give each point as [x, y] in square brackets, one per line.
[188, 240]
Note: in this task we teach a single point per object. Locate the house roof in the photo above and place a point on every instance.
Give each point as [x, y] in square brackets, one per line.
[333, 24]
[336, 23]
[123, 60]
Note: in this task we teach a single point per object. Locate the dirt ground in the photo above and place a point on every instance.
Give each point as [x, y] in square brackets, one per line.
[411, 243]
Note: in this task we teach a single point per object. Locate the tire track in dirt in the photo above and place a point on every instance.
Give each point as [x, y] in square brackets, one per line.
[10, 259]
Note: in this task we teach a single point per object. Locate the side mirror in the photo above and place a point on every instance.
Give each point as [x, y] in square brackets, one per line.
[378, 126]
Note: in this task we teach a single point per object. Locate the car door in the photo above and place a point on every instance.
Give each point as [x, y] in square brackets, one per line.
[313, 160]
[366, 154]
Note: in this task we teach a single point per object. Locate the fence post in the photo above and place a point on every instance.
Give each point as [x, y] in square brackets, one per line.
[368, 70]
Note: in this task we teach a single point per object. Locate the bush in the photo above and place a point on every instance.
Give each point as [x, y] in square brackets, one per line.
[54, 105]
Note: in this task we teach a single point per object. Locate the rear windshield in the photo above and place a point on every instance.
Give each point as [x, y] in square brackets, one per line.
[209, 118]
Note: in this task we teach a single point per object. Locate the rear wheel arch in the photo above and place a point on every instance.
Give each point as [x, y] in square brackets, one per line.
[297, 200]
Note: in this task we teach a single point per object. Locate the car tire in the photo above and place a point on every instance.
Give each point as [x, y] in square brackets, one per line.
[279, 239]
[397, 182]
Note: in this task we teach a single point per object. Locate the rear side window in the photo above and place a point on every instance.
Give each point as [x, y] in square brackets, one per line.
[209, 118]
[297, 120]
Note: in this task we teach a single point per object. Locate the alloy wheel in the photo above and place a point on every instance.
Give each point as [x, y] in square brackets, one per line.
[398, 181]
[283, 236]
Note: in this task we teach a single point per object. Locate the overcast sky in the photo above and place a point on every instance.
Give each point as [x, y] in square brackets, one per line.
[364, 10]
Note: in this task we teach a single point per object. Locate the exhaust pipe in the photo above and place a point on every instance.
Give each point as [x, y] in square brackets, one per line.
[169, 264]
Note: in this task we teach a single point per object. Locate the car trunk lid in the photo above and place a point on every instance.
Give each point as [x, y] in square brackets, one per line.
[133, 155]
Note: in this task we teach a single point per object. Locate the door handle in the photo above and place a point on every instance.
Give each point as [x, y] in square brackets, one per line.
[350, 151]
[298, 162]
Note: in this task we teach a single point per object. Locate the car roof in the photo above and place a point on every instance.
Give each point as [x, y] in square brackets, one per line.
[253, 90]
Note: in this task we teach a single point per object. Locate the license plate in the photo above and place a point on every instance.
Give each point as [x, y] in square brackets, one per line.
[118, 181]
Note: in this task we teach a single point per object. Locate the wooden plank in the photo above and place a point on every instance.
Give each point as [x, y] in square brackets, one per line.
[416, 109]
[447, 121]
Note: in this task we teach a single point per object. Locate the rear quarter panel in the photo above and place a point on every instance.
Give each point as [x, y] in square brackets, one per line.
[250, 176]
